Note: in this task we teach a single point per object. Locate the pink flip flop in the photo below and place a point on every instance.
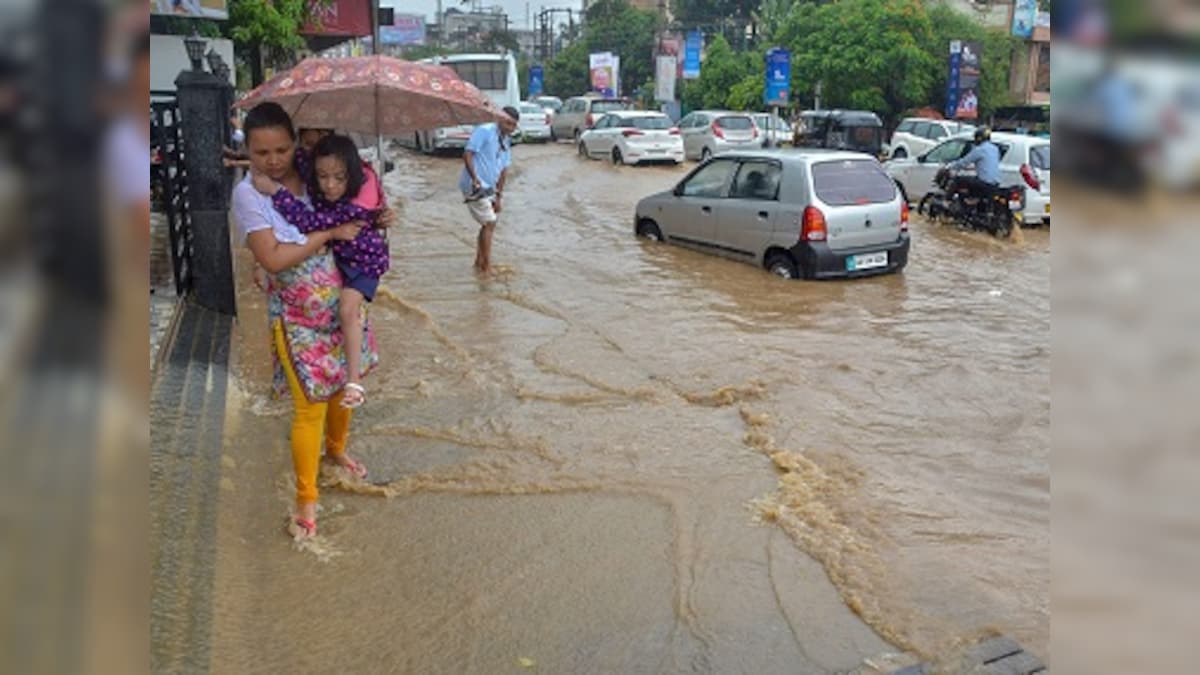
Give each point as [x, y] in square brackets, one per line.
[301, 529]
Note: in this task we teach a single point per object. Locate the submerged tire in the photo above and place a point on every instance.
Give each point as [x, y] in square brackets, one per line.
[782, 265]
[649, 229]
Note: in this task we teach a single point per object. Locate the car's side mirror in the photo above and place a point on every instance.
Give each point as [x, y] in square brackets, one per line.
[678, 191]
[923, 158]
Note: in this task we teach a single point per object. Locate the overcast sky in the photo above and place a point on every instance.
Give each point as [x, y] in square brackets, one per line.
[514, 8]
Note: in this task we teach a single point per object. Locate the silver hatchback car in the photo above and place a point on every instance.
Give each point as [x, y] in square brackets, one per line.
[711, 132]
[812, 214]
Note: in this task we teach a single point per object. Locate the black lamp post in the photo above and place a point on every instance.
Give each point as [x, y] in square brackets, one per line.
[195, 50]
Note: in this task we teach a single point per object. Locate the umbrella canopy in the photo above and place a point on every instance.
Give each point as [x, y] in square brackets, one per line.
[377, 95]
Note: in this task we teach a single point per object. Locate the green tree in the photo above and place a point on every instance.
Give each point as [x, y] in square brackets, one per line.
[727, 79]
[567, 75]
[500, 39]
[868, 54]
[268, 27]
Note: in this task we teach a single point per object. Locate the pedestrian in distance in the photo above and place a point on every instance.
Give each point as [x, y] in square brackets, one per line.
[487, 157]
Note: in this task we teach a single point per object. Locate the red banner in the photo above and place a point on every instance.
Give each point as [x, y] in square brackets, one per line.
[340, 17]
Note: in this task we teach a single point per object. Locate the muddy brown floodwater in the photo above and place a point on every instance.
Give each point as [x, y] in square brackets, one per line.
[619, 456]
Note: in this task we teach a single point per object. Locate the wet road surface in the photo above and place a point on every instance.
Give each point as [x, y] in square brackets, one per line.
[622, 456]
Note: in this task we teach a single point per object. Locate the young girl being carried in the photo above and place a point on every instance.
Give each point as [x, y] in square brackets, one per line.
[343, 190]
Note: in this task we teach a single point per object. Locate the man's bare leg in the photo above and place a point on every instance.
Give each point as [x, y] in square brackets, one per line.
[483, 253]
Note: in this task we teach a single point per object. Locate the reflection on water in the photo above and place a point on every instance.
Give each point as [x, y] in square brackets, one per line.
[569, 458]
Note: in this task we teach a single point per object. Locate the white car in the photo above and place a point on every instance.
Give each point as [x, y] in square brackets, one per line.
[633, 137]
[1024, 160]
[534, 124]
[917, 135]
[775, 126]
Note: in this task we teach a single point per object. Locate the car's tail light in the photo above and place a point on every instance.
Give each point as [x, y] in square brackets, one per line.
[753, 131]
[589, 120]
[903, 215]
[1030, 177]
[717, 130]
[630, 132]
[812, 225]
[674, 131]
[547, 118]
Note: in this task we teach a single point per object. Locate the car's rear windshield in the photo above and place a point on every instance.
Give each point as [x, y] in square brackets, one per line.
[845, 182]
[607, 106]
[649, 122]
[533, 109]
[735, 123]
[1039, 157]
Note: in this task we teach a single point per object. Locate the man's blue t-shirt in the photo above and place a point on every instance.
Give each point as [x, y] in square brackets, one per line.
[492, 157]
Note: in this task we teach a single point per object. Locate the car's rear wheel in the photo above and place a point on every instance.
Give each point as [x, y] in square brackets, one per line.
[782, 265]
[649, 229]
[582, 149]
[705, 154]
[899, 153]
[553, 136]
[616, 157]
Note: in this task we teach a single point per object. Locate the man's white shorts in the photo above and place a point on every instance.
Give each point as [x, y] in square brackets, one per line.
[483, 211]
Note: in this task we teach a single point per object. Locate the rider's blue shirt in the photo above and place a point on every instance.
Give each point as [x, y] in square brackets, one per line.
[986, 158]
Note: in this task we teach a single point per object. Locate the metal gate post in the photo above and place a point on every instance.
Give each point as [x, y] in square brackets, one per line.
[204, 114]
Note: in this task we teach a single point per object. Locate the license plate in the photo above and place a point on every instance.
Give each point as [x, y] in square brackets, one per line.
[866, 261]
[657, 152]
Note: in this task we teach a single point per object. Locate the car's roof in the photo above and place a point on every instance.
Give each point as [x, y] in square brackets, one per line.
[1006, 137]
[636, 113]
[798, 155]
[724, 112]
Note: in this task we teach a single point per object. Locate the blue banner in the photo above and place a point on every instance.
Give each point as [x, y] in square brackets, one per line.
[779, 77]
[535, 81]
[691, 55]
[952, 80]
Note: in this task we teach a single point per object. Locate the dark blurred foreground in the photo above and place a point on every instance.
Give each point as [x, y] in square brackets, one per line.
[74, 567]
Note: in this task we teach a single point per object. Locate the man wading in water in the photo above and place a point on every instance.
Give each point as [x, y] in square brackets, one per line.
[487, 157]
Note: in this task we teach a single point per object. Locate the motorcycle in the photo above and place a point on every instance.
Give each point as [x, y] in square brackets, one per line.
[954, 201]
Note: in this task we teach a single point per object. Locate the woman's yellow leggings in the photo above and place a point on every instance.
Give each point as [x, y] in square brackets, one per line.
[309, 422]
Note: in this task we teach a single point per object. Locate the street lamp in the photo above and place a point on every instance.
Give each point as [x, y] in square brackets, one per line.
[195, 50]
[222, 72]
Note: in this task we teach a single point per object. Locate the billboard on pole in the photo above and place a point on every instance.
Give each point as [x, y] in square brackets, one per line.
[664, 78]
[691, 55]
[962, 86]
[779, 77]
[603, 78]
[406, 29]
[536, 78]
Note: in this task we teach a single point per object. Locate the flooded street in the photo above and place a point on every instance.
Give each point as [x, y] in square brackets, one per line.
[622, 456]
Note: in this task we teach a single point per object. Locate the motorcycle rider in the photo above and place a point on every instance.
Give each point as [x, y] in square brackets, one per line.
[985, 156]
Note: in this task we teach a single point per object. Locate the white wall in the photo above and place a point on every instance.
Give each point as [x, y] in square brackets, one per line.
[168, 57]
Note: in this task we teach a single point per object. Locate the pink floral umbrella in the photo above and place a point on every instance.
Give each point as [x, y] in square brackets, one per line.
[377, 95]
